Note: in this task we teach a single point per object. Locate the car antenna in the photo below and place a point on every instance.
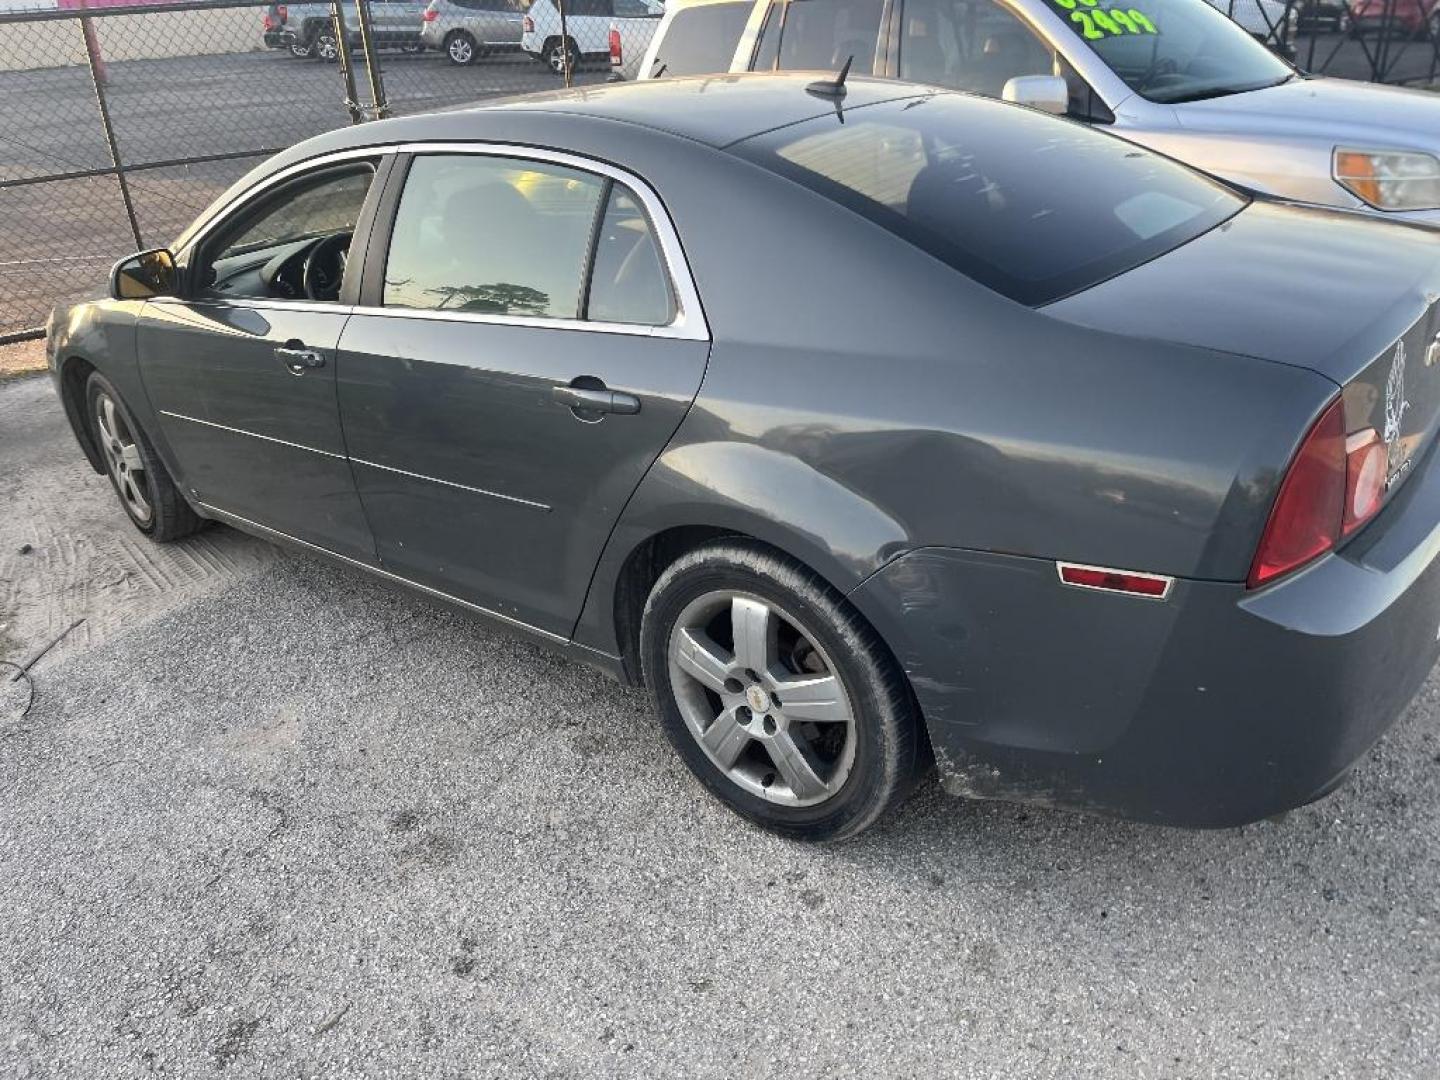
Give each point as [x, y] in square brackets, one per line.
[832, 88]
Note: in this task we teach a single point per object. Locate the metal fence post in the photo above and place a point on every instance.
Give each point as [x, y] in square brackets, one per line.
[380, 108]
[347, 72]
[97, 78]
[565, 45]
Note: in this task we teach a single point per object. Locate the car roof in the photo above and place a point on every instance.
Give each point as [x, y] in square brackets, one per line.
[714, 109]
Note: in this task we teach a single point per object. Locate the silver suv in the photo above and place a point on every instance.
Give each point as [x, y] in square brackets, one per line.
[1173, 75]
[469, 29]
[394, 24]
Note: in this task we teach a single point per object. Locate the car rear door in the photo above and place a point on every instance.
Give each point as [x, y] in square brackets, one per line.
[241, 369]
[528, 341]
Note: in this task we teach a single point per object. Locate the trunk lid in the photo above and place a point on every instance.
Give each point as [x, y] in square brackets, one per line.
[1345, 296]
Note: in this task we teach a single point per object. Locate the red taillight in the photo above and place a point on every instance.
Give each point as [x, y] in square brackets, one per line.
[1155, 586]
[431, 14]
[617, 52]
[528, 25]
[1306, 519]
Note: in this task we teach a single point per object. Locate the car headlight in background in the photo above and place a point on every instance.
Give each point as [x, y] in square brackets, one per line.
[1389, 179]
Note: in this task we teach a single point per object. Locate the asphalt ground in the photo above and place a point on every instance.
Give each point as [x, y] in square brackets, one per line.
[284, 822]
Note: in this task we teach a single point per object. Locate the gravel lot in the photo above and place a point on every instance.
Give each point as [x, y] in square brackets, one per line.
[299, 825]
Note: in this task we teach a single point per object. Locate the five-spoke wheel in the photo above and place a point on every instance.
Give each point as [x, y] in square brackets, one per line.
[776, 692]
[122, 455]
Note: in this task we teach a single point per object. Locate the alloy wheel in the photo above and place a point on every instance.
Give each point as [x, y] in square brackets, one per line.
[460, 49]
[556, 59]
[762, 699]
[326, 48]
[122, 456]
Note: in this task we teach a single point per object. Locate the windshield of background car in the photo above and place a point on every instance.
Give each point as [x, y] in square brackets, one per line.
[1171, 51]
[1032, 206]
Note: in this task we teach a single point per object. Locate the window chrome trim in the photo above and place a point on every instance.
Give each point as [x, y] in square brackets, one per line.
[251, 434]
[260, 303]
[246, 523]
[688, 323]
[202, 228]
[531, 503]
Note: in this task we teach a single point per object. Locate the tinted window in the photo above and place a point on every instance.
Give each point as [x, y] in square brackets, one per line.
[629, 283]
[492, 235]
[634, 9]
[587, 7]
[823, 34]
[1029, 205]
[308, 209]
[969, 45]
[1174, 50]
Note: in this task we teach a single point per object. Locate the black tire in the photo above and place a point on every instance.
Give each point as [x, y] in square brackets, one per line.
[171, 517]
[553, 57]
[891, 752]
[461, 49]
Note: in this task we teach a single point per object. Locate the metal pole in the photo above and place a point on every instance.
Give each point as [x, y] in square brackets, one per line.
[98, 80]
[381, 108]
[347, 73]
[565, 45]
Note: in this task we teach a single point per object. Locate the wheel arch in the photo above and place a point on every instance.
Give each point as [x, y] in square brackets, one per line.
[75, 372]
[750, 493]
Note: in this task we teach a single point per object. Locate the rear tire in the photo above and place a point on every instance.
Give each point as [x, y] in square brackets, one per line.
[460, 48]
[553, 56]
[147, 494]
[777, 694]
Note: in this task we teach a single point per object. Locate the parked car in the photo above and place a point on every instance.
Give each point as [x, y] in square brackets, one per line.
[272, 26]
[1395, 18]
[1201, 91]
[466, 30]
[395, 24]
[855, 422]
[588, 24]
[1332, 15]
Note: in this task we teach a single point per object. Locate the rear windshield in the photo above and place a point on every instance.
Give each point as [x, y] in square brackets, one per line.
[1029, 205]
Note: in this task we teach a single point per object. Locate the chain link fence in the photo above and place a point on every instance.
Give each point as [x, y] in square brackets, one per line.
[120, 122]
[121, 119]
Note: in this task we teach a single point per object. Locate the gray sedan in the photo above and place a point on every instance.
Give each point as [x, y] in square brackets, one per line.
[867, 427]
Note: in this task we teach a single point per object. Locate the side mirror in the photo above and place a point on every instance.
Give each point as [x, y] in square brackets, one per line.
[1048, 93]
[150, 273]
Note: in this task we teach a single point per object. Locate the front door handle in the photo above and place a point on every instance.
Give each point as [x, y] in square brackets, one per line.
[584, 399]
[295, 356]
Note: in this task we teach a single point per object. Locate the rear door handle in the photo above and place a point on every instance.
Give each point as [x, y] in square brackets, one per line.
[582, 399]
[295, 356]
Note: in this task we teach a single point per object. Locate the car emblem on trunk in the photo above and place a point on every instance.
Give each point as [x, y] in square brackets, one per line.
[1395, 406]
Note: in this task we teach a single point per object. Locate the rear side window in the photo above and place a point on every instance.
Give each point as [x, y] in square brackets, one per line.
[493, 236]
[820, 35]
[1031, 206]
[701, 40]
[628, 283]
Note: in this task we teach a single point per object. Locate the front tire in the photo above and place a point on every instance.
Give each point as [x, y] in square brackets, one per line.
[777, 694]
[460, 48]
[325, 47]
[147, 494]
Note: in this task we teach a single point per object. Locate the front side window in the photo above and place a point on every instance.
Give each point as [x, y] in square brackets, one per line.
[1173, 50]
[1031, 206]
[500, 236]
[292, 243]
[701, 40]
[975, 45]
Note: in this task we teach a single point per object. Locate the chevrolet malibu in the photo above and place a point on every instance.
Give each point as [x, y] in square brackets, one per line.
[867, 426]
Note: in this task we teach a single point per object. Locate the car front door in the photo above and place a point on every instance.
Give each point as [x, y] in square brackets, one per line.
[524, 351]
[241, 367]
